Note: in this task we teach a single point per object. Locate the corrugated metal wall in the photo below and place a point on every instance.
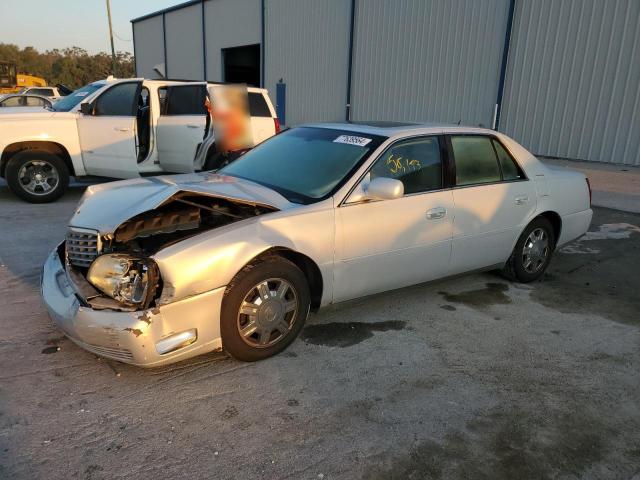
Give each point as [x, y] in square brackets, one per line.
[573, 79]
[433, 60]
[307, 46]
[183, 29]
[149, 47]
[572, 83]
[229, 23]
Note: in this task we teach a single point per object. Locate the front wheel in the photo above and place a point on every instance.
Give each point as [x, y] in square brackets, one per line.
[264, 309]
[532, 253]
[37, 177]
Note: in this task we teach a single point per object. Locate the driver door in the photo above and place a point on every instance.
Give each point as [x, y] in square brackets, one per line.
[108, 133]
[387, 244]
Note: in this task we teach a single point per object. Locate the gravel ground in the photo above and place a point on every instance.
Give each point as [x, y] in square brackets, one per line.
[473, 377]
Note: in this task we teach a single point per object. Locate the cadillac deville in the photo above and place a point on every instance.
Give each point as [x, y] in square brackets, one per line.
[157, 270]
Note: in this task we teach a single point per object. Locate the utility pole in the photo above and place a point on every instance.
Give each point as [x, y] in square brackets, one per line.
[113, 51]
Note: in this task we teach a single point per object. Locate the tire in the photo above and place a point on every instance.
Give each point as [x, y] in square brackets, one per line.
[526, 265]
[42, 168]
[286, 308]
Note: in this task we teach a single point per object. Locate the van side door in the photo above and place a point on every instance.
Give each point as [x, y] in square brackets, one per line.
[181, 126]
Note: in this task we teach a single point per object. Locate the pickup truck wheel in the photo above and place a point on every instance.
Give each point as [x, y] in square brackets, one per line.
[264, 309]
[37, 177]
[532, 253]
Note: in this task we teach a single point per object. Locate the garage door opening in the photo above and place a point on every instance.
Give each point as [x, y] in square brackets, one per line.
[242, 65]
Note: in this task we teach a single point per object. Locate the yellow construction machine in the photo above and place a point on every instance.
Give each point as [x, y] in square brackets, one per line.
[12, 82]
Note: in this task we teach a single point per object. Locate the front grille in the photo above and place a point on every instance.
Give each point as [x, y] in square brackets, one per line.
[82, 246]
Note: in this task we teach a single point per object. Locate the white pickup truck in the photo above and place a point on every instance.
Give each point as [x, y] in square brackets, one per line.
[116, 128]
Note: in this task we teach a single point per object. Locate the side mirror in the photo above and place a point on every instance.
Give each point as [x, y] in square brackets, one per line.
[382, 188]
[86, 108]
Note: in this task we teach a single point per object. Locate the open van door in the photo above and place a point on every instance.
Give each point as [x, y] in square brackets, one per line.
[181, 126]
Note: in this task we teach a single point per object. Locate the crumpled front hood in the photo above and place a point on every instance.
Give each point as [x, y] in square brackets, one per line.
[104, 207]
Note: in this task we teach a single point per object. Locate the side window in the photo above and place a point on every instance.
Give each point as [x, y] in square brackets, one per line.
[162, 98]
[35, 102]
[415, 162]
[185, 100]
[510, 169]
[12, 102]
[258, 105]
[119, 101]
[475, 160]
[143, 99]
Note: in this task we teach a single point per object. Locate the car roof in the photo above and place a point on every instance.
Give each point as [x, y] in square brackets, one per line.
[172, 82]
[392, 129]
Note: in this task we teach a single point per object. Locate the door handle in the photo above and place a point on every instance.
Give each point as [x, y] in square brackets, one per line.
[436, 213]
[193, 126]
[121, 129]
[522, 199]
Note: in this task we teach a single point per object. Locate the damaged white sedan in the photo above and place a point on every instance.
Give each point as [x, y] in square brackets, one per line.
[157, 270]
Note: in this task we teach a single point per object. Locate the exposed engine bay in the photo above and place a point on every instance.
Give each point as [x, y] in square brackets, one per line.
[182, 216]
[120, 274]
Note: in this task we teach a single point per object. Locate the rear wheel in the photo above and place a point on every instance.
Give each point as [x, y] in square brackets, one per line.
[264, 309]
[37, 177]
[532, 253]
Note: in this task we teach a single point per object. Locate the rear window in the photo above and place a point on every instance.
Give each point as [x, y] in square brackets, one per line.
[45, 92]
[185, 100]
[258, 105]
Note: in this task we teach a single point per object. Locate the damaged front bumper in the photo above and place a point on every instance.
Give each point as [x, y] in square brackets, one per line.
[147, 338]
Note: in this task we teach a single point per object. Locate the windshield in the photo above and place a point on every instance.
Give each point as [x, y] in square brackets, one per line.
[305, 164]
[65, 104]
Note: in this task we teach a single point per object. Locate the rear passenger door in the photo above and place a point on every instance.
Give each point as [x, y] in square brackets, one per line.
[262, 121]
[493, 202]
[181, 126]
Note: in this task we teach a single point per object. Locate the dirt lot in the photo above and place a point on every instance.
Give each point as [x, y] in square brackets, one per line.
[469, 378]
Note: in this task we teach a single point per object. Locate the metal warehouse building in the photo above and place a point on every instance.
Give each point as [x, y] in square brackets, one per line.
[560, 76]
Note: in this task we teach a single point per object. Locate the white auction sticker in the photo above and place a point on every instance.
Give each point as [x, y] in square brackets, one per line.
[352, 140]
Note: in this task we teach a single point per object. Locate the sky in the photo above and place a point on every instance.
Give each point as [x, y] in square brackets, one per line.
[49, 24]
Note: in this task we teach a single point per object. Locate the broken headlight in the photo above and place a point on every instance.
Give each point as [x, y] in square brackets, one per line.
[127, 279]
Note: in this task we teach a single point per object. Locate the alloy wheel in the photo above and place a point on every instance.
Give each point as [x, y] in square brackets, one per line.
[535, 251]
[38, 177]
[267, 312]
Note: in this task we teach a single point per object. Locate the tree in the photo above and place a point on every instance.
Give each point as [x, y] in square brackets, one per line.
[72, 66]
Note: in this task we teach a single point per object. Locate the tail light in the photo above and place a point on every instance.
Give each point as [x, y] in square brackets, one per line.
[276, 123]
[589, 188]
